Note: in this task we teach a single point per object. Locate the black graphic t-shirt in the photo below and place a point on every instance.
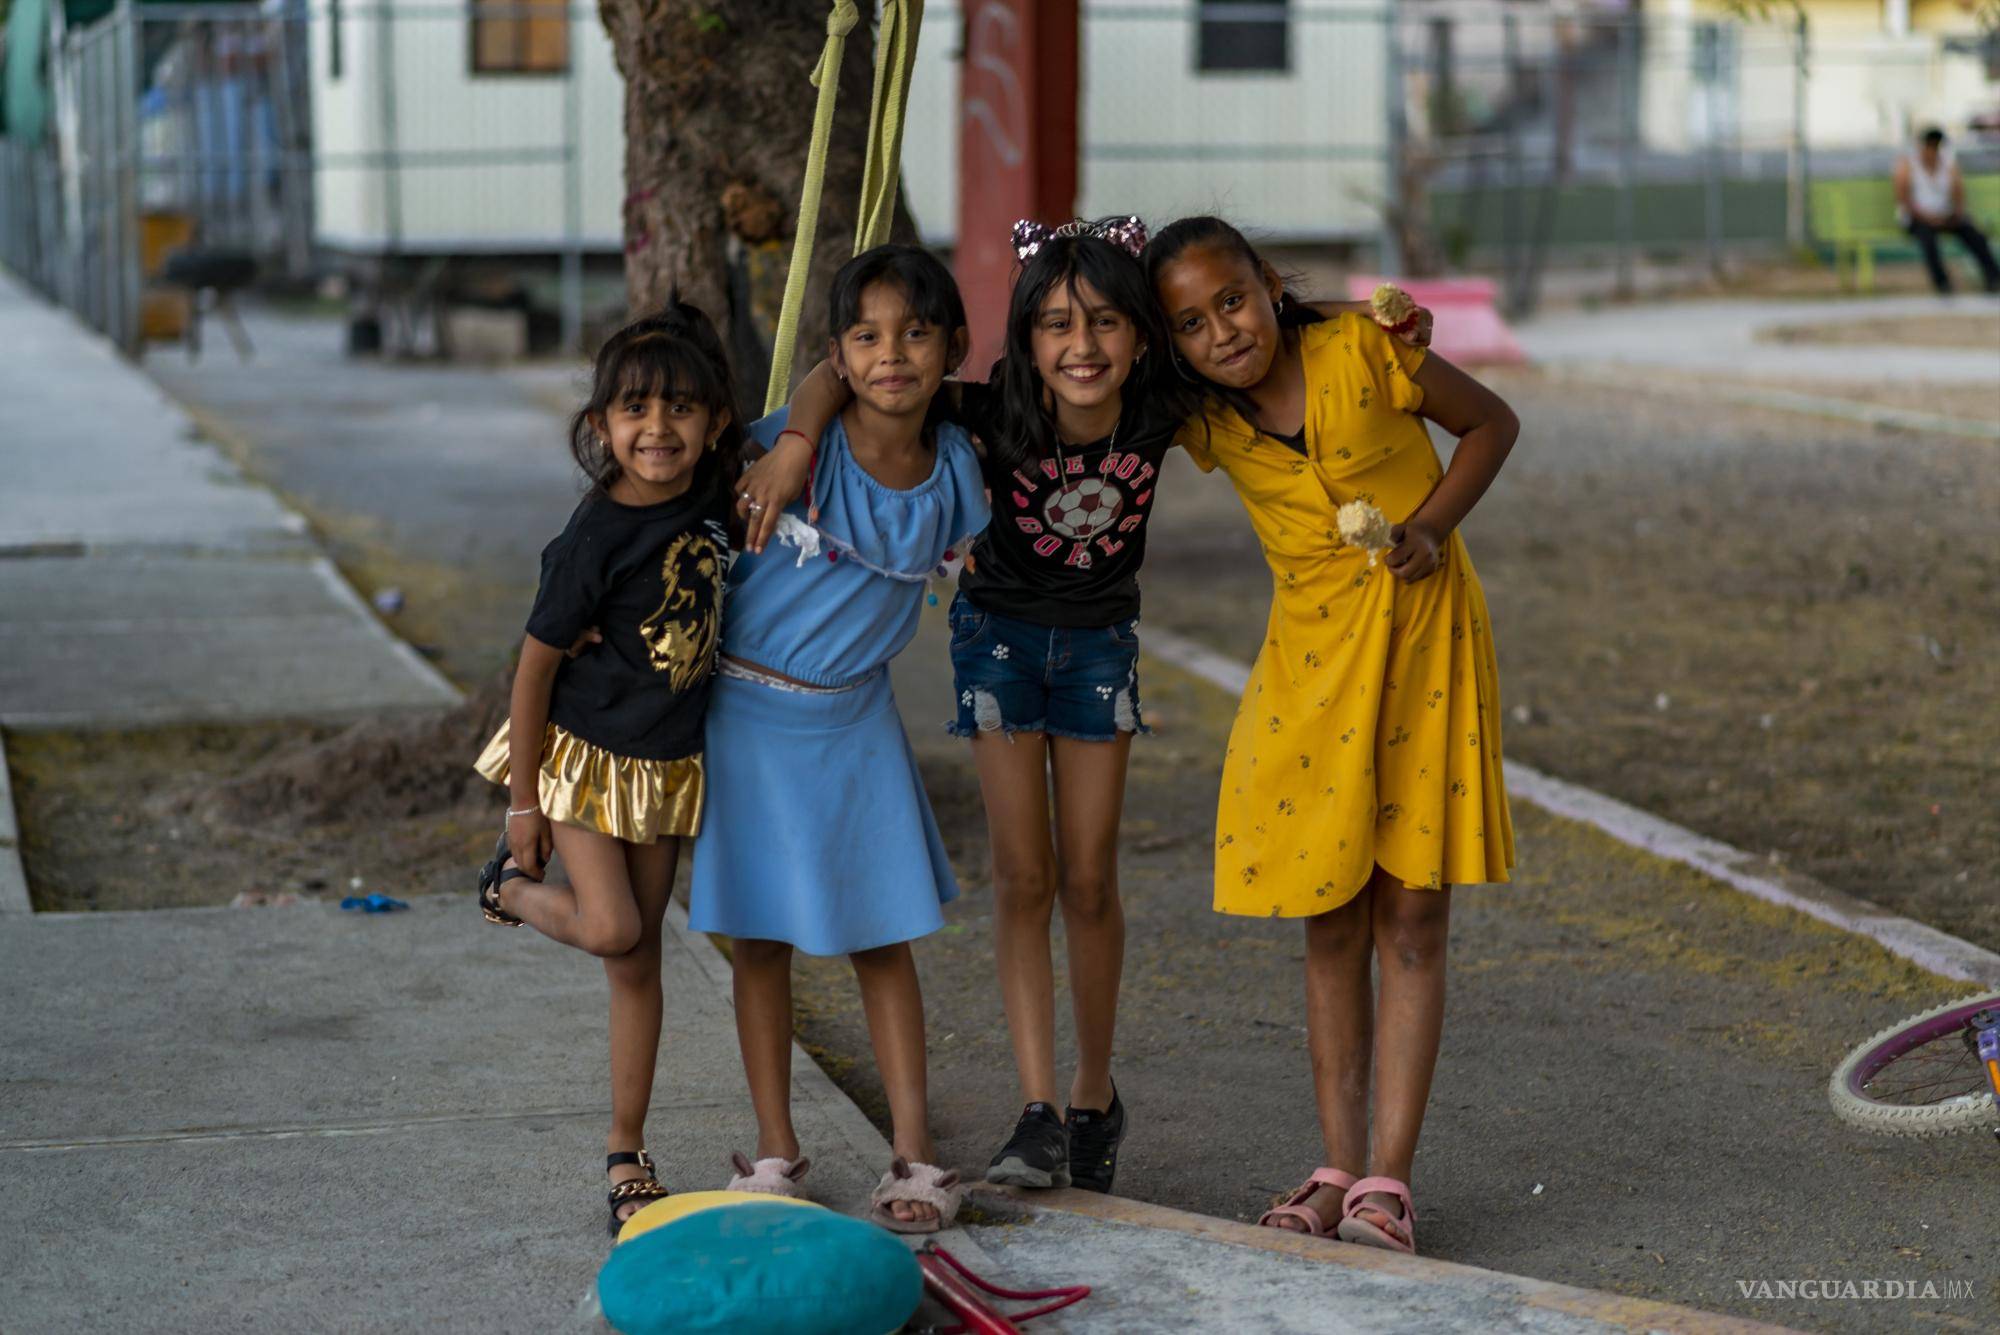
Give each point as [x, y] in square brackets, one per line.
[1068, 534]
[649, 578]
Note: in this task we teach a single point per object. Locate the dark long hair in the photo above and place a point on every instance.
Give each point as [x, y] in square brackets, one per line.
[673, 353]
[1180, 236]
[1025, 430]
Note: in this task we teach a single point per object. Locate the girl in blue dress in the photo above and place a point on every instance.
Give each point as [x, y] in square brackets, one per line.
[824, 840]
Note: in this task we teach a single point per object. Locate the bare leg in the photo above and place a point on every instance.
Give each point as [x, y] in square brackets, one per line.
[636, 1006]
[596, 912]
[894, 1005]
[761, 972]
[1090, 798]
[1410, 928]
[1338, 1034]
[1013, 778]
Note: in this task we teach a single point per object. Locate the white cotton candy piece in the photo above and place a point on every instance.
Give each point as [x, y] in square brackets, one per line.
[1361, 524]
[796, 532]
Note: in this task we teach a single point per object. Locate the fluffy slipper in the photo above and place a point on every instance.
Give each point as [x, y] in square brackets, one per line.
[923, 1183]
[772, 1177]
[1294, 1206]
[1367, 1233]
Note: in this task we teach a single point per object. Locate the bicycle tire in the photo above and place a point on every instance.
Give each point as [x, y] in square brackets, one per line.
[1952, 1116]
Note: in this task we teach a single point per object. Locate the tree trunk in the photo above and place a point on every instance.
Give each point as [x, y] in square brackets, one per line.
[720, 94]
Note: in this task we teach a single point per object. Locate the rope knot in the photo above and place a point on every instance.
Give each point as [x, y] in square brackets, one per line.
[843, 19]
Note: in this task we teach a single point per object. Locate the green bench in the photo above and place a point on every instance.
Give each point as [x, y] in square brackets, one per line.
[1857, 219]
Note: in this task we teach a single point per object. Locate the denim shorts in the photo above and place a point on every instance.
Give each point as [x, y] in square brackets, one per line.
[1021, 676]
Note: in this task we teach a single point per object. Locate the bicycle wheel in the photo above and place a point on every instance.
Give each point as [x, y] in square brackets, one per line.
[1918, 1077]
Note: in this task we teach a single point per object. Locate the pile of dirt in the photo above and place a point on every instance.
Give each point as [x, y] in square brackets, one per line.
[381, 769]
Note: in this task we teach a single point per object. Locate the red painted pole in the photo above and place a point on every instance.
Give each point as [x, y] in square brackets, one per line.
[1017, 147]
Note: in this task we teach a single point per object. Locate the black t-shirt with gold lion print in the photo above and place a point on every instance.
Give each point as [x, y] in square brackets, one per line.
[650, 579]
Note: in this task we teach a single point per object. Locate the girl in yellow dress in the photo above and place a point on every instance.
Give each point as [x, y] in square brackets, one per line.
[1363, 774]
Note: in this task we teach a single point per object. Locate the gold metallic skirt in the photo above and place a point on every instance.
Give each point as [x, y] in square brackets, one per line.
[639, 801]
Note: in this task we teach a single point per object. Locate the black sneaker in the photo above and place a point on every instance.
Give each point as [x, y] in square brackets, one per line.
[1093, 1143]
[1037, 1155]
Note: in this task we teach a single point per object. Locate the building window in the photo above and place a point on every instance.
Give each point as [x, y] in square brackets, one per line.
[520, 36]
[1239, 35]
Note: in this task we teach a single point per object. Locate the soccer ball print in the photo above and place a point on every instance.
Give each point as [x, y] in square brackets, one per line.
[1084, 508]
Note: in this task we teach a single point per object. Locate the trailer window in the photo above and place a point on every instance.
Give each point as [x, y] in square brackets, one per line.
[1236, 35]
[520, 36]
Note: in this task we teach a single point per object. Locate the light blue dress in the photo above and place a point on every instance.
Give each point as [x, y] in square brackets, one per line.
[818, 831]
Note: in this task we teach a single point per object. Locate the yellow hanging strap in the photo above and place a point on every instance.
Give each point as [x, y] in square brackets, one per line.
[895, 55]
[825, 77]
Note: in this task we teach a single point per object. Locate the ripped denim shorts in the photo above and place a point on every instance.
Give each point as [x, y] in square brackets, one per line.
[1021, 676]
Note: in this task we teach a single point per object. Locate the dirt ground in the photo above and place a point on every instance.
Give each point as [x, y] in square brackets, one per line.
[1969, 404]
[1947, 329]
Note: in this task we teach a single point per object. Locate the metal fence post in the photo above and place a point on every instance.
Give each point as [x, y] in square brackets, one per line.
[1628, 86]
[1510, 216]
[572, 256]
[1798, 162]
[125, 72]
[1394, 150]
[391, 155]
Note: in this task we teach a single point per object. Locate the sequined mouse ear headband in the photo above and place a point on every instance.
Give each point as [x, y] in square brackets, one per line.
[1127, 233]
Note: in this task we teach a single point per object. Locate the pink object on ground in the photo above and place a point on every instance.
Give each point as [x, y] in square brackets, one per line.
[1466, 329]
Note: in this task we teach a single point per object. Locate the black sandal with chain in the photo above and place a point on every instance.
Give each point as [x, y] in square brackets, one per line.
[641, 1190]
[491, 878]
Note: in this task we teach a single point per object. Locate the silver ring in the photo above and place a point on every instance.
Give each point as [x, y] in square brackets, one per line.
[756, 507]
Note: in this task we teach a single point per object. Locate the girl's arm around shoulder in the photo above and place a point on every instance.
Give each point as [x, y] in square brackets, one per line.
[971, 507]
[784, 473]
[1486, 429]
[528, 835]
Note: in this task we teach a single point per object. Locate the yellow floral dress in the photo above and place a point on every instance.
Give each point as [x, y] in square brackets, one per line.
[1369, 732]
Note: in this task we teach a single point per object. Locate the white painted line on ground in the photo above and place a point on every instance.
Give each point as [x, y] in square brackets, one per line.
[1817, 405]
[344, 592]
[1927, 947]
[13, 877]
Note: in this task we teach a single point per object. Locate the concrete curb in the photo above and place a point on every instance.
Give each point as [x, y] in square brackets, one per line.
[1814, 405]
[1942, 954]
[1634, 1314]
[345, 592]
[13, 877]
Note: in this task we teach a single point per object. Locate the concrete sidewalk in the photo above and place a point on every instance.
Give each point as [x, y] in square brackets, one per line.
[302, 1119]
[1723, 337]
[144, 580]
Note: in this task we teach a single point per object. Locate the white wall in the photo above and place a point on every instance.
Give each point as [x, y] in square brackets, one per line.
[1295, 154]
[443, 111]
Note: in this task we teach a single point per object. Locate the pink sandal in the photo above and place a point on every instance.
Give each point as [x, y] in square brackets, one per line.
[1294, 1206]
[1353, 1228]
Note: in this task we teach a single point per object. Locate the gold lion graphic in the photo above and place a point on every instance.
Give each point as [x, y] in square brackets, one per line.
[680, 637]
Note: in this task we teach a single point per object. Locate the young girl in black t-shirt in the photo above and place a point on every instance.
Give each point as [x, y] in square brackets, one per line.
[617, 732]
[1081, 409]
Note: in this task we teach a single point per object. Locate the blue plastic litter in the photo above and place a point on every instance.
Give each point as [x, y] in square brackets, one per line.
[374, 903]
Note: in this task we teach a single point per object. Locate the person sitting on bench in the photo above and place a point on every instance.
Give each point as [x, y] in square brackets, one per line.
[1930, 198]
